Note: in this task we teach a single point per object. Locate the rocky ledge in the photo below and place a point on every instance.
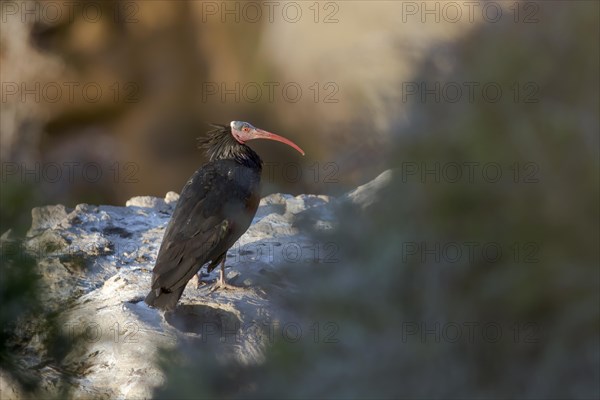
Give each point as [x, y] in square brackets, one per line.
[95, 264]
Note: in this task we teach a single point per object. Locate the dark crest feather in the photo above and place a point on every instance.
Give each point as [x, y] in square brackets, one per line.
[220, 144]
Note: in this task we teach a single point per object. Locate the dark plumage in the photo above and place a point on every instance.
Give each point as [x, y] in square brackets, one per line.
[215, 208]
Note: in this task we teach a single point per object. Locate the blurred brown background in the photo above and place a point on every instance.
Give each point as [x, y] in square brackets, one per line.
[103, 101]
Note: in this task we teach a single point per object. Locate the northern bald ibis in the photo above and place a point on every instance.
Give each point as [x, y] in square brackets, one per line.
[215, 208]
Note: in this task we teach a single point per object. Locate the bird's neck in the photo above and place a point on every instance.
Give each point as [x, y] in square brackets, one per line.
[221, 145]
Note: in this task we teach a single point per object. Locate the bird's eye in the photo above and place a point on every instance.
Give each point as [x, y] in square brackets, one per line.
[245, 129]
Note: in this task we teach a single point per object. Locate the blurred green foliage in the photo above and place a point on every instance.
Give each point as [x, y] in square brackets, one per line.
[15, 199]
[18, 296]
[33, 344]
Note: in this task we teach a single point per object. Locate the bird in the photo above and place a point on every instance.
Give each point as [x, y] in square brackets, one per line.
[216, 206]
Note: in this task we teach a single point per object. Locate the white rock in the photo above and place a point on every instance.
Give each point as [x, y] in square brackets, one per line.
[96, 264]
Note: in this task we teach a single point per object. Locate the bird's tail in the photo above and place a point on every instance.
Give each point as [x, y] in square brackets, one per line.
[164, 300]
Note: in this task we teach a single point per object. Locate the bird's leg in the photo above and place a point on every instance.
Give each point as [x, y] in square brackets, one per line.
[222, 282]
[197, 278]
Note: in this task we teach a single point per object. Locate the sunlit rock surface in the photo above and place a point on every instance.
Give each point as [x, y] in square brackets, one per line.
[96, 266]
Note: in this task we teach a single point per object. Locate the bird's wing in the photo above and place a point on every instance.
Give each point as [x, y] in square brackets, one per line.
[202, 226]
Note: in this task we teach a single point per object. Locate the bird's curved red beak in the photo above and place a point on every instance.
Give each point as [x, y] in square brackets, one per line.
[257, 133]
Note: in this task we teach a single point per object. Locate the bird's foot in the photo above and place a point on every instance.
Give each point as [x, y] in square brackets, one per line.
[222, 281]
[198, 280]
[219, 284]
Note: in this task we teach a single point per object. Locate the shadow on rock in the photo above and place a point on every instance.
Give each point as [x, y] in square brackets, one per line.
[208, 322]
